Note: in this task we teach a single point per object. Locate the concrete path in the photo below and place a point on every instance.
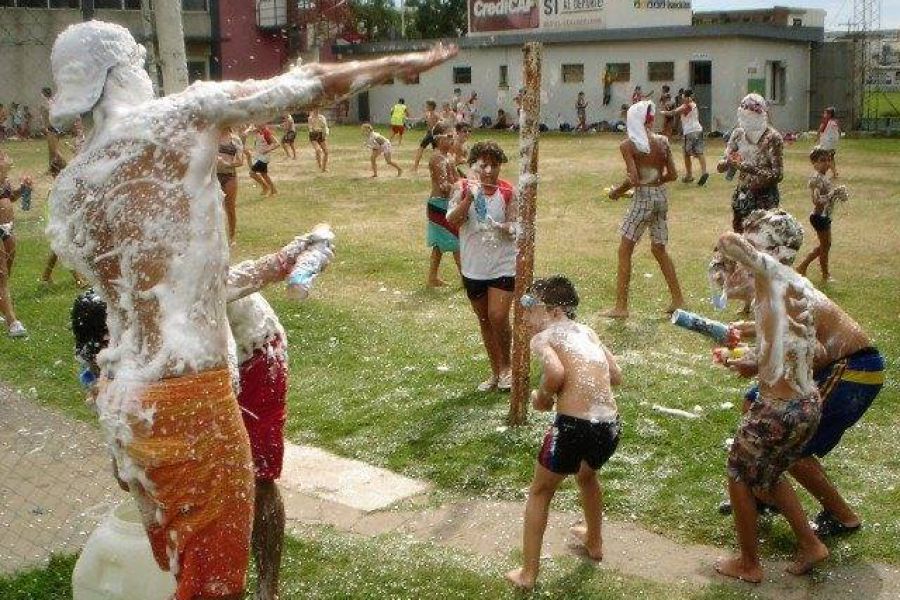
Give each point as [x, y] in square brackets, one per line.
[55, 486]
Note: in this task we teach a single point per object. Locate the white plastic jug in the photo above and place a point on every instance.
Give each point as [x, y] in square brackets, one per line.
[117, 562]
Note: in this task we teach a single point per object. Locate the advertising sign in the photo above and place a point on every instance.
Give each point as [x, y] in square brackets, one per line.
[503, 15]
[572, 14]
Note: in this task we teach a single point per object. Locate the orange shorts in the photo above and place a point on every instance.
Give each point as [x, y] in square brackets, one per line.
[197, 456]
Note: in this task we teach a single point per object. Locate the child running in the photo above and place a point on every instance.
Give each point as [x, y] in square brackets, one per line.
[259, 169]
[399, 116]
[824, 197]
[8, 195]
[431, 118]
[578, 372]
[441, 235]
[290, 134]
[378, 144]
[318, 137]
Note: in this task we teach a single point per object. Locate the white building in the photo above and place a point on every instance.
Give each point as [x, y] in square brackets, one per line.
[721, 55]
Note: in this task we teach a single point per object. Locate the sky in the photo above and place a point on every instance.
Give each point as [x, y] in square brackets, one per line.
[839, 11]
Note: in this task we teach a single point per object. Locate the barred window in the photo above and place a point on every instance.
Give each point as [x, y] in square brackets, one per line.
[661, 71]
[573, 73]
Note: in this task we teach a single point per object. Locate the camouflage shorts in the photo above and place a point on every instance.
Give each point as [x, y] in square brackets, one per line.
[770, 438]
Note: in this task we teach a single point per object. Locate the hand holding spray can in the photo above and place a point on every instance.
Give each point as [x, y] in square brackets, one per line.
[311, 262]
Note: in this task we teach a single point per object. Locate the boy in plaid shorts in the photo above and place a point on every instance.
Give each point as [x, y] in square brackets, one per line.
[648, 160]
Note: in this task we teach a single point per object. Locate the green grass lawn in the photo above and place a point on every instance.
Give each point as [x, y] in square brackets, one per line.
[384, 370]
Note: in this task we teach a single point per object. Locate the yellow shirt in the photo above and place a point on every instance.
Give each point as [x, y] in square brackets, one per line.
[398, 114]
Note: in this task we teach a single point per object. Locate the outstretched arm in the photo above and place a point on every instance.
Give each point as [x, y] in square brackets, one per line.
[308, 85]
[251, 276]
[735, 247]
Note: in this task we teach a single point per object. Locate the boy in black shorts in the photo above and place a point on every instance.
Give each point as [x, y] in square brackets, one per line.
[578, 372]
[824, 196]
[431, 118]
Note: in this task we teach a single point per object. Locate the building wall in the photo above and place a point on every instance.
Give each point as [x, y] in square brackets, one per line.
[247, 51]
[731, 61]
[27, 36]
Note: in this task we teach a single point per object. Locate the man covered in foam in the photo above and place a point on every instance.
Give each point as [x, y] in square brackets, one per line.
[139, 212]
[775, 429]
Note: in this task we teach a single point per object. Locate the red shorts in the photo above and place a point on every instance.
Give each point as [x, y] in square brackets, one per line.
[398, 129]
[263, 406]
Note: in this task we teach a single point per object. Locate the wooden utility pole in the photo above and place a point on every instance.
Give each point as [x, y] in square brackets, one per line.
[529, 127]
[170, 43]
[149, 32]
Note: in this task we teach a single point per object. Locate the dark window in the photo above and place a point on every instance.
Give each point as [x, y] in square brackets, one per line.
[462, 74]
[65, 3]
[661, 71]
[31, 3]
[504, 76]
[197, 70]
[619, 71]
[573, 73]
[798, 23]
[118, 4]
[195, 5]
[777, 82]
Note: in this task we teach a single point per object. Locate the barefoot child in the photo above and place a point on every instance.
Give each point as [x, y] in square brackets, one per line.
[378, 144]
[290, 134]
[649, 163]
[777, 427]
[460, 150]
[578, 374]
[824, 197]
[431, 118]
[8, 195]
[829, 137]
[318, 137]
[259, 169]
[442, 236]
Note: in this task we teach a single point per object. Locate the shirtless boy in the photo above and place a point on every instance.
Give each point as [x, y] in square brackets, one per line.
[431, 118]
[777, 427]
[649, 163]
[849, 372]
[442, 236]
[578, 374]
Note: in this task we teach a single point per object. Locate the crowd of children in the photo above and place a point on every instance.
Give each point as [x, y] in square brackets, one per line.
[787, 422]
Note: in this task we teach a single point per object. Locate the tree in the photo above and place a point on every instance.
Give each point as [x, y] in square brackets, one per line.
[378, 20]
[437, 19]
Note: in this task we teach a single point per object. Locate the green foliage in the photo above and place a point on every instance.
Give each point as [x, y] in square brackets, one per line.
[437, 19]
[378, 20]
[53, 582]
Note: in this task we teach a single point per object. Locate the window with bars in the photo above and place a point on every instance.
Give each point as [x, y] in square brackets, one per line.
[573, 73]
[462, 74]
[504, 77]
[619, 71]
[660, 71]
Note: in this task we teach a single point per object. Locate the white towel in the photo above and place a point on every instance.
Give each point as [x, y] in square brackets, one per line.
[636, 123]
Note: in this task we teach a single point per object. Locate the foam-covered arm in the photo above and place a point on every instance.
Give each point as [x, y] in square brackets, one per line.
[313, 85]
[772, 174]
[250, 276]
[735, 247]
[458, 207]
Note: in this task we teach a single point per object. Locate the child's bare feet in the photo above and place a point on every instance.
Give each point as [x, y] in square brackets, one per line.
[735, 567]
[595, 552]
[436, 282]
[615, 313]
[520, 579]
[806, 559]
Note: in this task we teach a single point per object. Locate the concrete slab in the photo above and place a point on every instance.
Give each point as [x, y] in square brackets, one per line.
[315, 472]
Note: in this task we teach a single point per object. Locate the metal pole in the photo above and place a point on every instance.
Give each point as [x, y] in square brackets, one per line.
[529, 124]
[170, 38]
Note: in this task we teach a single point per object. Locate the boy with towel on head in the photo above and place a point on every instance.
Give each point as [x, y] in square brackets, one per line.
[649, 163]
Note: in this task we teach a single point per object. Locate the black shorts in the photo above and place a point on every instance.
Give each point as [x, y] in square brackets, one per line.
[820, 222]
[260, 167]
[225, 178]
[317, 136]
[571, 440]
[289, 137]
[478, 288]
[428, 140]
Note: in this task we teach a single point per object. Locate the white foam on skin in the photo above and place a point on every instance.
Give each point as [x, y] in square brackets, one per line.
[149, 163]
[254, 324]
[579, 344]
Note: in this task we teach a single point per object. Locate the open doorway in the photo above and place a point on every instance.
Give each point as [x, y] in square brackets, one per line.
[701, 83]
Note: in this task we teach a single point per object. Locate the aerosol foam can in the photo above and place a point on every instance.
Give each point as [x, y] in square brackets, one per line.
[711, 329]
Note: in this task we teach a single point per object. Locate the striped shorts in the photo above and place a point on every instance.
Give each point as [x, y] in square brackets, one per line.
[649, 208]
